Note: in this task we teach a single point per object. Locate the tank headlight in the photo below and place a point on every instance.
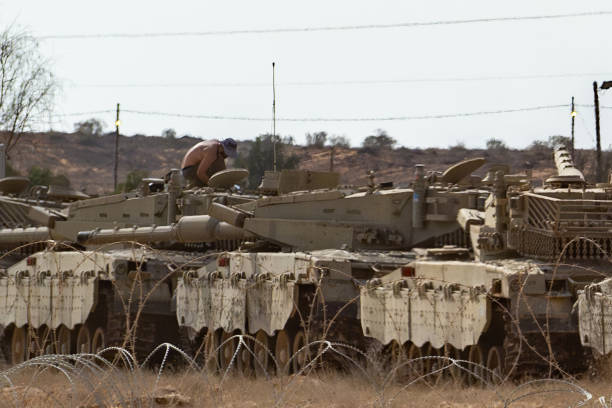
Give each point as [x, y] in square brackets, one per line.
[407, 271]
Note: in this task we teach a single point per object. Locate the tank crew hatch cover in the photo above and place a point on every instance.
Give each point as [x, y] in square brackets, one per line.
[14, 185]
[457, 172]
[227, 178]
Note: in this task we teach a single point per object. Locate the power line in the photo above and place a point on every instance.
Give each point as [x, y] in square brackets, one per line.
[592, 106]
[364, 119]
[325, 28]
[83, 113]
[347, 82]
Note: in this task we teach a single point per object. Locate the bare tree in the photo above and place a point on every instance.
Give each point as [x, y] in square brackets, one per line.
[27, 86]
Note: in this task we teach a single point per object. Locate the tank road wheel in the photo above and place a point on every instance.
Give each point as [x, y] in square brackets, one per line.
[227, 352]
[31, 338]
[495, 363]
[97, 341]
[301, 358]
[399, 365]
[83, 340]
[18, 345]
[433, 365]
[261, 360]
[415, 366]
[244, 359]
[63, 341]
[211, 350]
[476, 358]
[282, 352]
[40, 341]
[45, 341]
[455, 372]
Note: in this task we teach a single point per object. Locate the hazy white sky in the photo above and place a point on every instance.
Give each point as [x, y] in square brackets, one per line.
[96, 73]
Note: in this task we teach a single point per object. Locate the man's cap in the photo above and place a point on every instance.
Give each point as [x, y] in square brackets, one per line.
[229, 147]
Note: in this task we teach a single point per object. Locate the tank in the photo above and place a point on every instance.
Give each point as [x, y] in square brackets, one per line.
[298, 275]
[506, 301]
[75, 296]
[486, 271]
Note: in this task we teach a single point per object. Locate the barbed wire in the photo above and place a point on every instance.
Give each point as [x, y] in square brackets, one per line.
[100, 378]
[411, 24]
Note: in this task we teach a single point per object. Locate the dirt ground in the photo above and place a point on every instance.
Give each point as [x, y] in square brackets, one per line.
[49, 388]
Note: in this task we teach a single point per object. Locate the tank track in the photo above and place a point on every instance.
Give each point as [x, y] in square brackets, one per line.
[4, 346]
[150, 330]
[522, 360]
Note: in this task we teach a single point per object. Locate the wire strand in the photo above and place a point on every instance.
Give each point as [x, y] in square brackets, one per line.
[365, 119]
[325, 28]
[346, 82]
[83, 113]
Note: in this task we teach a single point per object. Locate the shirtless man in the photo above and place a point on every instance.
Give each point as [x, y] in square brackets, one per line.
[205, 159]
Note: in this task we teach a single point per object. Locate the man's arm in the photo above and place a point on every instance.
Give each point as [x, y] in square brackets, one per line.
[210, 155]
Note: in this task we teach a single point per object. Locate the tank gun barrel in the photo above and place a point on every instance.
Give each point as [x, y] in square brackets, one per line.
[197, 228]
[10, 237]
[565, 165]
[567, 173]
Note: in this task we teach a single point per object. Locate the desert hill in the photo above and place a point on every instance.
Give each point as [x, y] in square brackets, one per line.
[88, 162]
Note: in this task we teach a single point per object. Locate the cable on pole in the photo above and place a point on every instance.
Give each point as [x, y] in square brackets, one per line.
[347, 82]
[363, 119]
[409, 24]
[83, 113]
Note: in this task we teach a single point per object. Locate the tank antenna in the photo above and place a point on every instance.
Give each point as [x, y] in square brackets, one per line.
[274, 115]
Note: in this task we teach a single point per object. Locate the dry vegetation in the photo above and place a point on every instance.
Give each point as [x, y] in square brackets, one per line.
[88, 162]
[81, 385]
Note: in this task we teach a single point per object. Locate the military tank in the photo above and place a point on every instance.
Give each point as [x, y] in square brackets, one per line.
[486, 271]
[72, 296]
[509, 305]
[297, 276]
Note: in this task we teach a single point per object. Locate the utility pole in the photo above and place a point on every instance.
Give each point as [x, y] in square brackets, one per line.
[597, 134]
[573, 119]
[116, 159]
[331, 158]
[274, 116]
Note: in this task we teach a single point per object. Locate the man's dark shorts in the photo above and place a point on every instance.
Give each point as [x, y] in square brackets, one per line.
[191, 175]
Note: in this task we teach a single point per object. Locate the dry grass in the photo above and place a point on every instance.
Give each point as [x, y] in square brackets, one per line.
[315, 390]
[74, 381]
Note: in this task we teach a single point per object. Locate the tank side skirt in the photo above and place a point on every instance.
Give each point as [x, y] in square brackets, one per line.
[423, 315]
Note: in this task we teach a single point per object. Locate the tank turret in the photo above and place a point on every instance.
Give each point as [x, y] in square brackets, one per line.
[378, 217]
[157, 202]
